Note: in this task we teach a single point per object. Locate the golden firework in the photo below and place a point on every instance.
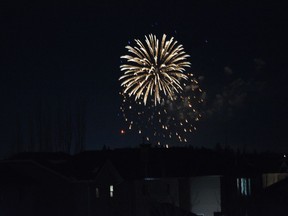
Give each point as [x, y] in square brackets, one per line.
[154, 69]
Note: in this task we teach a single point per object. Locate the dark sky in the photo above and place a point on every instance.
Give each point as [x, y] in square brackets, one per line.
[61, 54]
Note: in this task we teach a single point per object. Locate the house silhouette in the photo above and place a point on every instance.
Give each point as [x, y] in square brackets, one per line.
[143, 181]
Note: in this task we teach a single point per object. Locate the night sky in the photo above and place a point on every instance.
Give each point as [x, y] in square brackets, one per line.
[63, 56]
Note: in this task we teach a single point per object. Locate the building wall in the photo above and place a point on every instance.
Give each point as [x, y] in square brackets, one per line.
[272, 178]
[150, 192]
[205, 195]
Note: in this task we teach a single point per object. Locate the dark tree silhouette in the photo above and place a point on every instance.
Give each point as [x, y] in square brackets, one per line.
[81, 126]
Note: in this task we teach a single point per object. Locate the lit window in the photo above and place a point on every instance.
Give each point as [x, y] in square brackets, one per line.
[244, 186]
[111, 190]
[97, 192]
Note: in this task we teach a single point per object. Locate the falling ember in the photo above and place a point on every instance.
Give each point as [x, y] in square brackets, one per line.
[122, 131]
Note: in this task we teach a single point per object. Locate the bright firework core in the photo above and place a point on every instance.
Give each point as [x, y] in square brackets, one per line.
[160, 102]
[154, 69]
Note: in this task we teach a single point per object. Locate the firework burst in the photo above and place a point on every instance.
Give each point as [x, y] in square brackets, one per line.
[154, 69]
[159, 101]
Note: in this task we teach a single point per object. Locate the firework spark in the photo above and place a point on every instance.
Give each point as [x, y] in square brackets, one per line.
[154, 69]
[170, 122]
